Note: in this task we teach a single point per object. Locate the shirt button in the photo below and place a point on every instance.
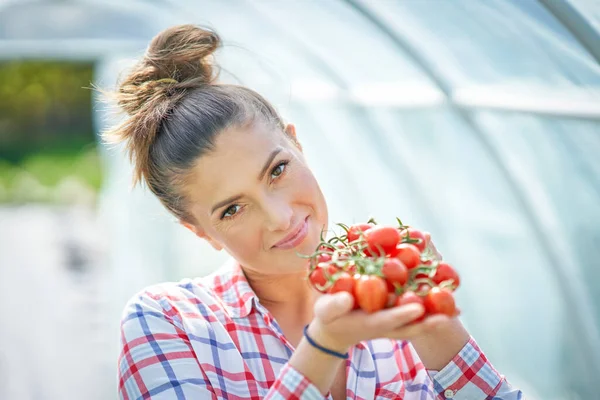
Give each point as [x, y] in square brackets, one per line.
[449, 393]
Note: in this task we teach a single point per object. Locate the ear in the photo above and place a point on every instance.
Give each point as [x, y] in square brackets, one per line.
[290, 130]
[202, 235]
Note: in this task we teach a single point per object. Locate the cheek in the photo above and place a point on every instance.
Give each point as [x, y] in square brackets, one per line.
[311, 194]
[245, 244]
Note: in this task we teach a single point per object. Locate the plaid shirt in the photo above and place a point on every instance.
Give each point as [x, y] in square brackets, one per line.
[211, 338]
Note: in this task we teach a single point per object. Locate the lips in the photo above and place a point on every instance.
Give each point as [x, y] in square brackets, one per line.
[295, 237]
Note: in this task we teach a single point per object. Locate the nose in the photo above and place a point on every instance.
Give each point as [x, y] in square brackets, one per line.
[278, 213]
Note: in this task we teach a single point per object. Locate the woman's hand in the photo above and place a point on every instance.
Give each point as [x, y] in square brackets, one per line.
[337, 327]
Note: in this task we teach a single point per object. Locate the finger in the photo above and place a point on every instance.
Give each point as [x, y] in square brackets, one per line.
[393, 318]
[332, 306]
[427, 237]
[415, 329]
[431, 245]
[435, 321]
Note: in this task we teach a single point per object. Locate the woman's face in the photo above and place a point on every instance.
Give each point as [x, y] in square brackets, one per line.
[255, 196]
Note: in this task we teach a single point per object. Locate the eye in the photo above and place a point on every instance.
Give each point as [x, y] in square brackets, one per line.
[230, 211]
[279, 169]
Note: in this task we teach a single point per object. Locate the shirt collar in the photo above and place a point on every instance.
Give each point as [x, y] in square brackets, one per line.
[233, 288]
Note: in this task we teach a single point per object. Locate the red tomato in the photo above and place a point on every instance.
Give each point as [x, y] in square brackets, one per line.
[445, 272]
[355, 230]
[319, 277]
[421, 275]
[408, 298]
[371, 293]
[382, 238]
[393, 252]
[395, 273]
[409, 255]
[423, 289]
[391, 299]
[323, 257]
[415, 234]
[356, 278]
[350, 268]
[440, 301]
[343, 282]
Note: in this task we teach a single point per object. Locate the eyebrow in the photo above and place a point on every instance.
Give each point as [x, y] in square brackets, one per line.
[225, 202]
[269, 161]
[260, 177]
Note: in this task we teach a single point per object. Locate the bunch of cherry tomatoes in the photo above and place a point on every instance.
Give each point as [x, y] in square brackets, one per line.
[384, 266]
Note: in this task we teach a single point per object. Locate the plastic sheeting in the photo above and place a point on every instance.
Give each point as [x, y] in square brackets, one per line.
[397, 106]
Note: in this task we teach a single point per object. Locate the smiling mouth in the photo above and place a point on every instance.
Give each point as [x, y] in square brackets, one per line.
[296, 238]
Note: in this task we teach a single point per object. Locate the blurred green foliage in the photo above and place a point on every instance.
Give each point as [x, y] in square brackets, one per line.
[46, 134]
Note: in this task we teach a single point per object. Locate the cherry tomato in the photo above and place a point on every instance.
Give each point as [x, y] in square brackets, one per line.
[445, 272]
[343, 282]
[393, 252]
[355, 230]
[395, 273]
[350, 268]
[356, 278]
[382, 238]
[409, 255]
[371, 293]
[342, 256]
[319, 277]
[391, 299]
[408, 298]
[423, 289]
[440, 301]
[323, 257]
[421, 275]
[415, 234]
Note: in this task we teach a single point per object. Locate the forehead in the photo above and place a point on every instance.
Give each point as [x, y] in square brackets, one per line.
[234, 163]
[243, 142]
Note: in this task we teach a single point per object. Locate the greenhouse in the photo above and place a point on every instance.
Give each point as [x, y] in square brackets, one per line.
[479, 121]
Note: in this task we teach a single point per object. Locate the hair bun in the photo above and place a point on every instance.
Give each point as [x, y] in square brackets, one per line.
[183, 53]
[177, 58]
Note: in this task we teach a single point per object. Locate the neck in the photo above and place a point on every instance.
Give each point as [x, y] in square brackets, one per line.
[288, 294]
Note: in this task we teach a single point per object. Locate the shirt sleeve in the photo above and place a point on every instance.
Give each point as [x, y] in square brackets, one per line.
[157, 361]
[470, 376]
[291, 384]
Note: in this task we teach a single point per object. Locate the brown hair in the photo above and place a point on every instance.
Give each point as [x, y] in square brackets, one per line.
[176, 108]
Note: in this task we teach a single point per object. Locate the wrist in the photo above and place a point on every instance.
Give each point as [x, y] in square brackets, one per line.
[438, 347]
[322, 338]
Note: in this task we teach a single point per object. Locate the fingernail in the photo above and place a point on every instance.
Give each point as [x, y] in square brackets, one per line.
[343, 297]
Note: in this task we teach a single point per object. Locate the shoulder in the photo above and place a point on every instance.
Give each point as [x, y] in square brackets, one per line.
[200, 298]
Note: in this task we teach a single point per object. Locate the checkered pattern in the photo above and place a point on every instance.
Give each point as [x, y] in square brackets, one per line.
[210, 338]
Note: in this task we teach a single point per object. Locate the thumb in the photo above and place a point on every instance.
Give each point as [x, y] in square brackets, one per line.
[332, 306]
[431, 246]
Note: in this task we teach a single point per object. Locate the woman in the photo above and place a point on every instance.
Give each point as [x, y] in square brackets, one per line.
[221, 159]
